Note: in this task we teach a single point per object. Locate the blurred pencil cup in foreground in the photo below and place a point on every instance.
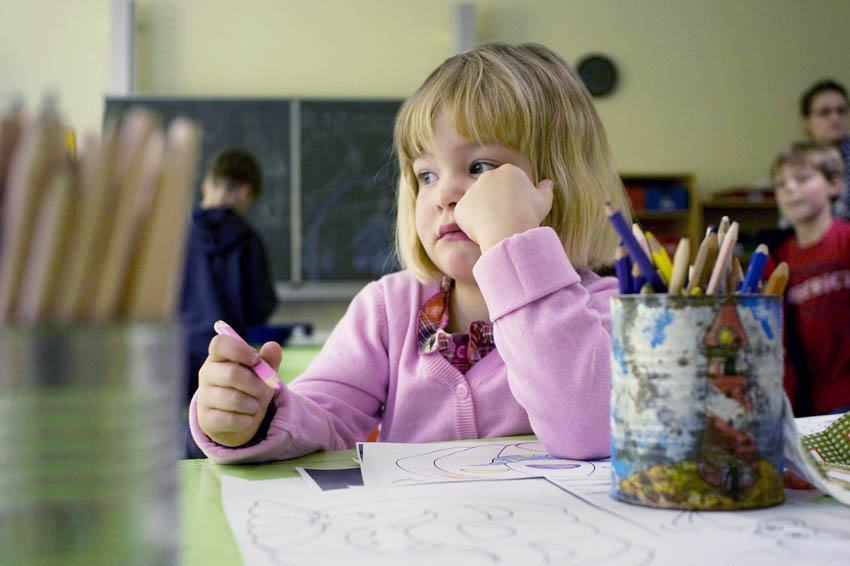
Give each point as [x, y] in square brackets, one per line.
[89, 460]
[89, 347]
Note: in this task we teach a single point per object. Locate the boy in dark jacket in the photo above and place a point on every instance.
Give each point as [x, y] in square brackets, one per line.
[226, 275]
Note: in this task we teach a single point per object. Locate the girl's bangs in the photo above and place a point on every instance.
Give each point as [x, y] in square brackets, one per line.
[481, 107]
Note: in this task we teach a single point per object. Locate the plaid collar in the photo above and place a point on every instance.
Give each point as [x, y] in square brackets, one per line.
[462, 350]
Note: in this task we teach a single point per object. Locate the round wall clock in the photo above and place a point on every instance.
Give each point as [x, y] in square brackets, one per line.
[598, 73]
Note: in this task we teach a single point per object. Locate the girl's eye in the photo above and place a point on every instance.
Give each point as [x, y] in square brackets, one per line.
[480, 166]
[426, 177]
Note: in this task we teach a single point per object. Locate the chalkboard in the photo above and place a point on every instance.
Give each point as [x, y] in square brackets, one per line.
[346, 185]
[348, 175]
[260, 126]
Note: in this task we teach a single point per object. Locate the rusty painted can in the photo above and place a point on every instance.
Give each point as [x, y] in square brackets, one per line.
[697, 401]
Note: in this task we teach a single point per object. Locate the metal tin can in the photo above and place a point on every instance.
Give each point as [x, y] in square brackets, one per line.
[697, 401]
[89, 424]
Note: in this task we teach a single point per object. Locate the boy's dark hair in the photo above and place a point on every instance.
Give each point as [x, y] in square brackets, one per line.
[823, 157]
[237, 167]
[817, 88]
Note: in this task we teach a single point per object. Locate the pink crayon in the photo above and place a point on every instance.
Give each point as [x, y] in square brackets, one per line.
[263, 370]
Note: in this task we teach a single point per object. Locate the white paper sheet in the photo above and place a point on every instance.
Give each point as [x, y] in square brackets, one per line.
[386, 464]
[529, 522]
[811, 425]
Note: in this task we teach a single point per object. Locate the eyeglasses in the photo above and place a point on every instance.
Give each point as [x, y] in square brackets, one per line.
[827, 110]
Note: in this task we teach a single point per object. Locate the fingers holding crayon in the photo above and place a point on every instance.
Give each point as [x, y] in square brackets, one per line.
[232, 401]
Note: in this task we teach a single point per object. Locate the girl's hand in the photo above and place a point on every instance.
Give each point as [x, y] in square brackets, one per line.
[500, 203]
[232, 400]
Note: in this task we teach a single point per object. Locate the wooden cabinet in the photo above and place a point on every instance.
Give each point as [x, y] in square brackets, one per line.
[666, 205]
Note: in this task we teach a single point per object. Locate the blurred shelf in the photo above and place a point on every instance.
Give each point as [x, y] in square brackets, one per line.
[666, 205]
[673, 215]
[739, 203]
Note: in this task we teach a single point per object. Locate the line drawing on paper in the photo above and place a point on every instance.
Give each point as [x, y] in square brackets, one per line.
[470, 531]
[493, 460]
[520, 521]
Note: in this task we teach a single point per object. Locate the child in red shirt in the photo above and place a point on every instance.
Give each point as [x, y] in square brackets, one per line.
[807, 178]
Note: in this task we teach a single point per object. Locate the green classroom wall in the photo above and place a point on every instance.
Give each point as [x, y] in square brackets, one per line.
[707, 86]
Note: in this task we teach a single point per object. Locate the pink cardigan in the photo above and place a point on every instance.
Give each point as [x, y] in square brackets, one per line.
[548, 376]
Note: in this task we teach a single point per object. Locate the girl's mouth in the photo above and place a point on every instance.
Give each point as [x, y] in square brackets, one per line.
[452, 232]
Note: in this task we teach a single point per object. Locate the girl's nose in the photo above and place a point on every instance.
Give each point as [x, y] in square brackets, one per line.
[451, 189]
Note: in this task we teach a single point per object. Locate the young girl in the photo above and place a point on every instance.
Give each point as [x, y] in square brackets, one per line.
[497, 326]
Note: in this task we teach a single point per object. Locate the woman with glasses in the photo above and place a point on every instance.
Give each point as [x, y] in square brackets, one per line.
[823, 108]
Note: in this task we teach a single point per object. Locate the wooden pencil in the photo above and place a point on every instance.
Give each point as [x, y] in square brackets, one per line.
[701, 262]
[638, 279]
[680, 266]
[754, 271]
[156, 271]
[623, 267]
[136, 131]
[40, 149]
[724, 259]
[636, 252]
[710, 259]
[44, 267]
[777, 281]
[659, 255]
[641, 238]
[89, 240]
[722, 228]
[11, 125]
[735, 276]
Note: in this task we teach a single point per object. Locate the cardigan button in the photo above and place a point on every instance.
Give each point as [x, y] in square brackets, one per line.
[462, 391]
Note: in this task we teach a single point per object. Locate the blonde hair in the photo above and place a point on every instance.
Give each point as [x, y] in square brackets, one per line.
[527, 98]
[822, 157]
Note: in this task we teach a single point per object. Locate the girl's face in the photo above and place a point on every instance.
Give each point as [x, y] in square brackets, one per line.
[803, 193]
[444, 172]
[827, 121]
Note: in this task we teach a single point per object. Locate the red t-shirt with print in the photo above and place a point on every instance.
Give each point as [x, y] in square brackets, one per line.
[817, 321]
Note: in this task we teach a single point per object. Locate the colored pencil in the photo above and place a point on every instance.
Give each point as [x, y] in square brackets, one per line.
[755, 269]
[635, 251]
[137, 129]
[41, 149]
[156, 271]
[735, 279]
[45, 263]
[777, 281]
[659, 255]
[88, 241]
[680, 267]
[724, 259]
[722, 228]
[623, 268]
[706, 250]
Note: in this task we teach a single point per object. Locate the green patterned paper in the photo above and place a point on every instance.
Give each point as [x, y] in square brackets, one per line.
[830, 451]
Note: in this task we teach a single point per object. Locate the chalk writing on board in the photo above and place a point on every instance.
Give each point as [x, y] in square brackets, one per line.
[348, 189]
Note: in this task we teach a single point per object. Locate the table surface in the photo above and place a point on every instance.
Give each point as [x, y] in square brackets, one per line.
[206, 535]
